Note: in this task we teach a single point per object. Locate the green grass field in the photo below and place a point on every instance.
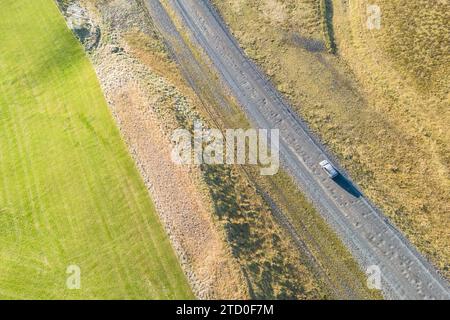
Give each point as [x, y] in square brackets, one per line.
[69, 191]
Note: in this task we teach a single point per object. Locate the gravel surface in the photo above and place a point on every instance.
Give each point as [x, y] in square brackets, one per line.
[366, 231]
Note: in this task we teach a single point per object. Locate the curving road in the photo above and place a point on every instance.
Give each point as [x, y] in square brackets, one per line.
[366, 232]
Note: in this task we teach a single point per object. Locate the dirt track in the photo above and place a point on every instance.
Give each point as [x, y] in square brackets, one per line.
[367, 232]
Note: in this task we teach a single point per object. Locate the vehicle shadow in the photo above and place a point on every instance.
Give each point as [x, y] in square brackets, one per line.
[347, 186]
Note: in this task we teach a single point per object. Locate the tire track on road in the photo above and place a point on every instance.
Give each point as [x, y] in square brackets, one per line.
[366, 231]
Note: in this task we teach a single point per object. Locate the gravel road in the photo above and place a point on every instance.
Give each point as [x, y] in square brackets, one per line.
[365, 230]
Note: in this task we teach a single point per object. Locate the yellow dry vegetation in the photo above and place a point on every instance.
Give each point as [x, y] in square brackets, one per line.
[380, 103]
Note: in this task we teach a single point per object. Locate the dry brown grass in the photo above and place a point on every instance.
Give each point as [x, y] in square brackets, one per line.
[271, 265]
[381, 104]
[404, 69]
[331, 270]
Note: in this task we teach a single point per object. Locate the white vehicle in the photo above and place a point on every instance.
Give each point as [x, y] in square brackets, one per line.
[329, 169]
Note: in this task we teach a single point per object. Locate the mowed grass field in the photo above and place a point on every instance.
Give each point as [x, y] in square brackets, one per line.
[69, 191]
